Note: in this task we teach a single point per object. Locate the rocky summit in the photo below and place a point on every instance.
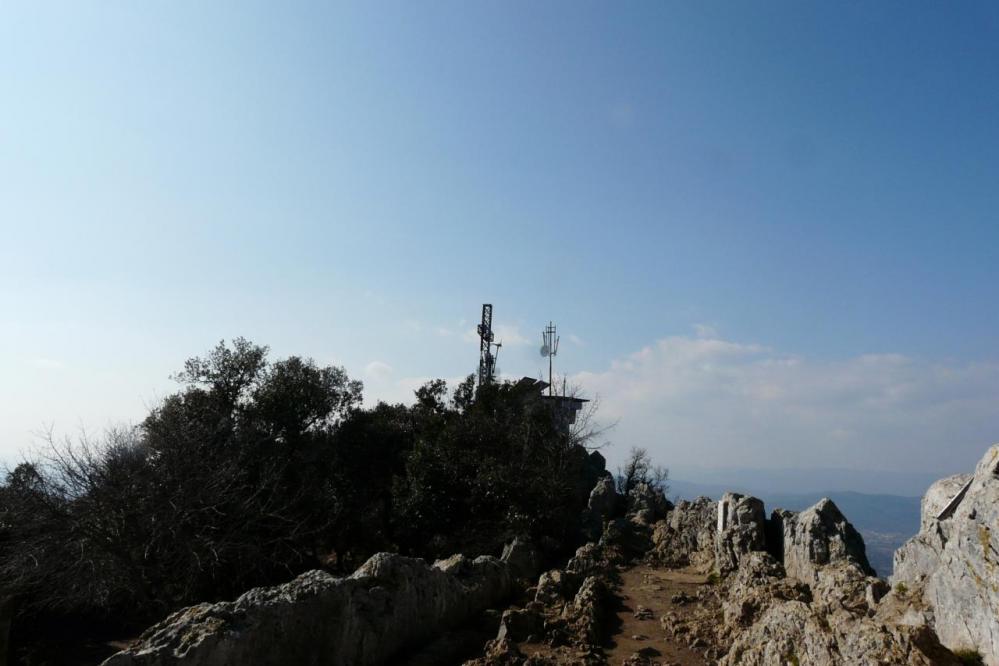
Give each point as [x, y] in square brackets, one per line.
[701, 582]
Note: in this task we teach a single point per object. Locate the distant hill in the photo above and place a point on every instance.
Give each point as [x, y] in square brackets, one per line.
[885, 521]
[805, 480]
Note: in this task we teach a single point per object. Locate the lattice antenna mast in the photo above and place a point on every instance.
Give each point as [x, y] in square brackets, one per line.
[487, 362]
[549, 348]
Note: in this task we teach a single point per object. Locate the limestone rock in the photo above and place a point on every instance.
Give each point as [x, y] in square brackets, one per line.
[589, 559]
[757, 584]
[556, 586]
[603, 498]
[773, 619]
[647, 504]
[954, 560]
[687, 536]
[817, 536]
[388, 603]
[520, 625]
[601, 506]
[522, 558]
[938, 496]
[589, 610]
[741, 530]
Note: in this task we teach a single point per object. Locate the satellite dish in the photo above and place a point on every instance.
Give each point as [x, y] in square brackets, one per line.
[545, 350]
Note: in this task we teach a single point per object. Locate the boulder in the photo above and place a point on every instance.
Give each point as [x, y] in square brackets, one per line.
[389, 603]
[521, 624]
[817, 536]
[953, 563]
[600, 507]
[522, 558]
[588, 612]
[941, 499]
[920, 556]
[557, 586]
[603, 498]
[647, 504]
[597, 463]
[741, 529]
[589, 559]
[687, 536]
[769, 618]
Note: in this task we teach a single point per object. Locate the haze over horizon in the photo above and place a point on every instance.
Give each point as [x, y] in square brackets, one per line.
[768, 234]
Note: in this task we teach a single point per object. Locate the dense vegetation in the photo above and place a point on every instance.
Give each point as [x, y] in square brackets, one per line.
[255, 471]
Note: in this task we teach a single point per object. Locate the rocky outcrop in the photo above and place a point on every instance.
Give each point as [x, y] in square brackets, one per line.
[794, 589]
[815, 537]
[687, 536]
[389, 603]
[601, 506]
[741, 529]
[953, 563]
[603, 499]
[647, 504]
[557, 586]
[842, 616]
[565, 623]
[589, 558]
[942, 499]
[522, 558]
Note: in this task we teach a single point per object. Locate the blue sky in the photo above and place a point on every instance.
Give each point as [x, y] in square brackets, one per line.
[812, 184]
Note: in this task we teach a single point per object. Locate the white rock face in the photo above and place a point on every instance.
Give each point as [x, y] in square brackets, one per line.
[600, 507]
[939, 496]
[954, 560]
[390, 602]
[687, 535]
[646, 504]
[603, 498]
[741, 530]
[842, 617]
[817, 536]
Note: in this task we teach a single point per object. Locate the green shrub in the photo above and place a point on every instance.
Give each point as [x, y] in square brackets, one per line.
[970, 657]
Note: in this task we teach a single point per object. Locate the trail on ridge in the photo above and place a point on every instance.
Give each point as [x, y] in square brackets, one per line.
[646, 594]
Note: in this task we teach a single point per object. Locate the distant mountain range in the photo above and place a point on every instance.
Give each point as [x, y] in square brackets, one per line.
[805, 480]
[885, 521]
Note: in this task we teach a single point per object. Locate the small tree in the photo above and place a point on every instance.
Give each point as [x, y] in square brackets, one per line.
[638, 468]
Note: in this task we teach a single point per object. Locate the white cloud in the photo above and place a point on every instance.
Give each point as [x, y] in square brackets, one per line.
[47, 363]
[378, 370]
[576, 340]
[711, 402]
[510, 336]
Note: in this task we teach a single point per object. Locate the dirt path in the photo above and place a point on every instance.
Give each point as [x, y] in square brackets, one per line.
[646, 594]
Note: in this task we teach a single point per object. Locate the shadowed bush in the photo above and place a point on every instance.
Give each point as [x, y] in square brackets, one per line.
[256, 471]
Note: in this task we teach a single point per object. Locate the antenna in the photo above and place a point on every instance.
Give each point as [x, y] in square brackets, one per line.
[549, 348]
[487, 361]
